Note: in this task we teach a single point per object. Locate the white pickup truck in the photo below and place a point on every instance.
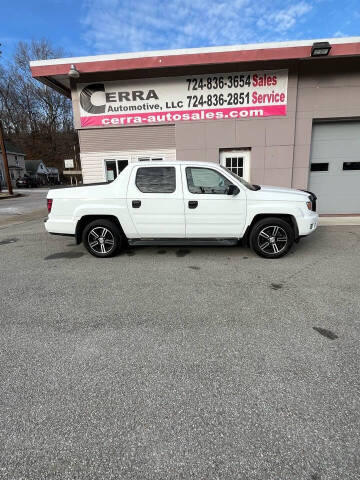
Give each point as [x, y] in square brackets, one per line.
[177, 203]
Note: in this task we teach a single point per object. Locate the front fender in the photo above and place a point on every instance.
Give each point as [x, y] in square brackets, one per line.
[291, 212]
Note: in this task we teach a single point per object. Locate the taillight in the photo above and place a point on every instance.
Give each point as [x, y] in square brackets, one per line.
[49, 204]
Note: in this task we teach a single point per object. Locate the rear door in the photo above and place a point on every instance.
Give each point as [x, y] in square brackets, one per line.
[155, 201]
[209, 211]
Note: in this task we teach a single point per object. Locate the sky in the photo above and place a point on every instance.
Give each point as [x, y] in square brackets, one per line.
[92, 27]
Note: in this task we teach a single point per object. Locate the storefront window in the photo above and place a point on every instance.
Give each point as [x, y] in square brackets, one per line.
[149, 159]
[121, 164]
[111, 172]
[113, 168]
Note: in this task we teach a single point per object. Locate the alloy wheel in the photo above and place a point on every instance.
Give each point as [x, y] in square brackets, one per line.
[101, 240]
[272, 239]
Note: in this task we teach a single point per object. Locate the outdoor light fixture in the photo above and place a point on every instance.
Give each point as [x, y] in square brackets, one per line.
[320, 49]
[73, 72]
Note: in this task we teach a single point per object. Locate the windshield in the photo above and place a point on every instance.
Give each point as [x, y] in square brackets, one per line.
[244, 182]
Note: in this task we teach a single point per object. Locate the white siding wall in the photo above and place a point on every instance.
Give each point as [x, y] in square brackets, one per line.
[112, 139]
[93, 165]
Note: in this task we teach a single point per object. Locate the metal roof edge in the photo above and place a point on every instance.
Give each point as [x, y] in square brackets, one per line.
[191, 51]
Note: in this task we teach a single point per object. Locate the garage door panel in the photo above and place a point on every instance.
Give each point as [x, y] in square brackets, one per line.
[332, 204]
[331, 201]
[336, 147]
[352, 184]
[335, 130]
[338, 190]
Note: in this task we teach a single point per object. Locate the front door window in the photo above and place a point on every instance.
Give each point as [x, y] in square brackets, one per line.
[206, 181]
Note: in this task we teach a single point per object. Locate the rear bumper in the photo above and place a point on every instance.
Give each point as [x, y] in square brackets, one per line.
[60, 227]
[308, 224]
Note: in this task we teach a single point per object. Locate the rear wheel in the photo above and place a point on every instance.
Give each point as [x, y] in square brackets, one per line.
[271, 237]
[102, 238]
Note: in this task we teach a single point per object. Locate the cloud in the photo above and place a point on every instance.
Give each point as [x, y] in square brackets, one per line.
[284, 20]
[339, 34]
[136, 25]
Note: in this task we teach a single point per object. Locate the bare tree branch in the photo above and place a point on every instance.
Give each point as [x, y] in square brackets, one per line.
[35, 116]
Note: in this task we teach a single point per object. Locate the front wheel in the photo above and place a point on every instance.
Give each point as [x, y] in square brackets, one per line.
[102, 238]
[271, 237]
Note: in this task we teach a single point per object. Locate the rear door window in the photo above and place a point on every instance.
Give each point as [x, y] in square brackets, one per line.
[156, 179]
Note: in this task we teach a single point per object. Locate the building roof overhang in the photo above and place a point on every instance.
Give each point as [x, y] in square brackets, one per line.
[54, 72]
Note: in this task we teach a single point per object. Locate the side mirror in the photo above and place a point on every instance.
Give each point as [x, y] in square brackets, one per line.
[233, 190]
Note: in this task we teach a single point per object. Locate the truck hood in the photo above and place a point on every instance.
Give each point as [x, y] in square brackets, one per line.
[291, 191]
[268, 192]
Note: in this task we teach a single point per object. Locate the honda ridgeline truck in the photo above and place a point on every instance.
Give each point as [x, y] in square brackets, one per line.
[177, 203]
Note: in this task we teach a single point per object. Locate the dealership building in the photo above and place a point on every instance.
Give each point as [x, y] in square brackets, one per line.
[285, 114]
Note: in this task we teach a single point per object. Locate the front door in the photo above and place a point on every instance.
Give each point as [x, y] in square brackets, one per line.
[155, 201]
[209, 211]
[238, 161]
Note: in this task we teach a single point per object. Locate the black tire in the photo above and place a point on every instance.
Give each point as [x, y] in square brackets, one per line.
[112, 239]
[279, 234]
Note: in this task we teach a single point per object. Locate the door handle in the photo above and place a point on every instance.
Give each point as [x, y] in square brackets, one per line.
[136, 203]
[193, 204]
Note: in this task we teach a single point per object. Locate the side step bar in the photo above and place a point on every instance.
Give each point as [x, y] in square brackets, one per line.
[180, 242]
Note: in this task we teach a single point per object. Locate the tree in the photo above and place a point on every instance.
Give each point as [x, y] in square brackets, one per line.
[35, 116]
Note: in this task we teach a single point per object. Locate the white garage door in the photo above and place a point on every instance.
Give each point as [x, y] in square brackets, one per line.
[335, 167]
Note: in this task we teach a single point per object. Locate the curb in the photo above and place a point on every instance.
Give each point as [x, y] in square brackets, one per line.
[336, 221]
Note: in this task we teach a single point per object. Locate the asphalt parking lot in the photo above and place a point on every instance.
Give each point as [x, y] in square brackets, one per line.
[179, 363]
[29, 204]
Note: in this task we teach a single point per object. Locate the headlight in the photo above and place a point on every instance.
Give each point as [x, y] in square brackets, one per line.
[309, 205]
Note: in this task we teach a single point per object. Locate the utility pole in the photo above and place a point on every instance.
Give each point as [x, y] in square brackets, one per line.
[0, 169]
[4, 156]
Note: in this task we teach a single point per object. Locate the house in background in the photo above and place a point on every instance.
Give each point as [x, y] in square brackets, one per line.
[53, 175]
[38, 170]
[16, 163]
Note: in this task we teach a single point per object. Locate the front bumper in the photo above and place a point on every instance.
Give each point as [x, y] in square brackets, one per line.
[308, 224]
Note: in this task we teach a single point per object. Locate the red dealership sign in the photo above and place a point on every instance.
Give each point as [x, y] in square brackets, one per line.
[188, 98]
